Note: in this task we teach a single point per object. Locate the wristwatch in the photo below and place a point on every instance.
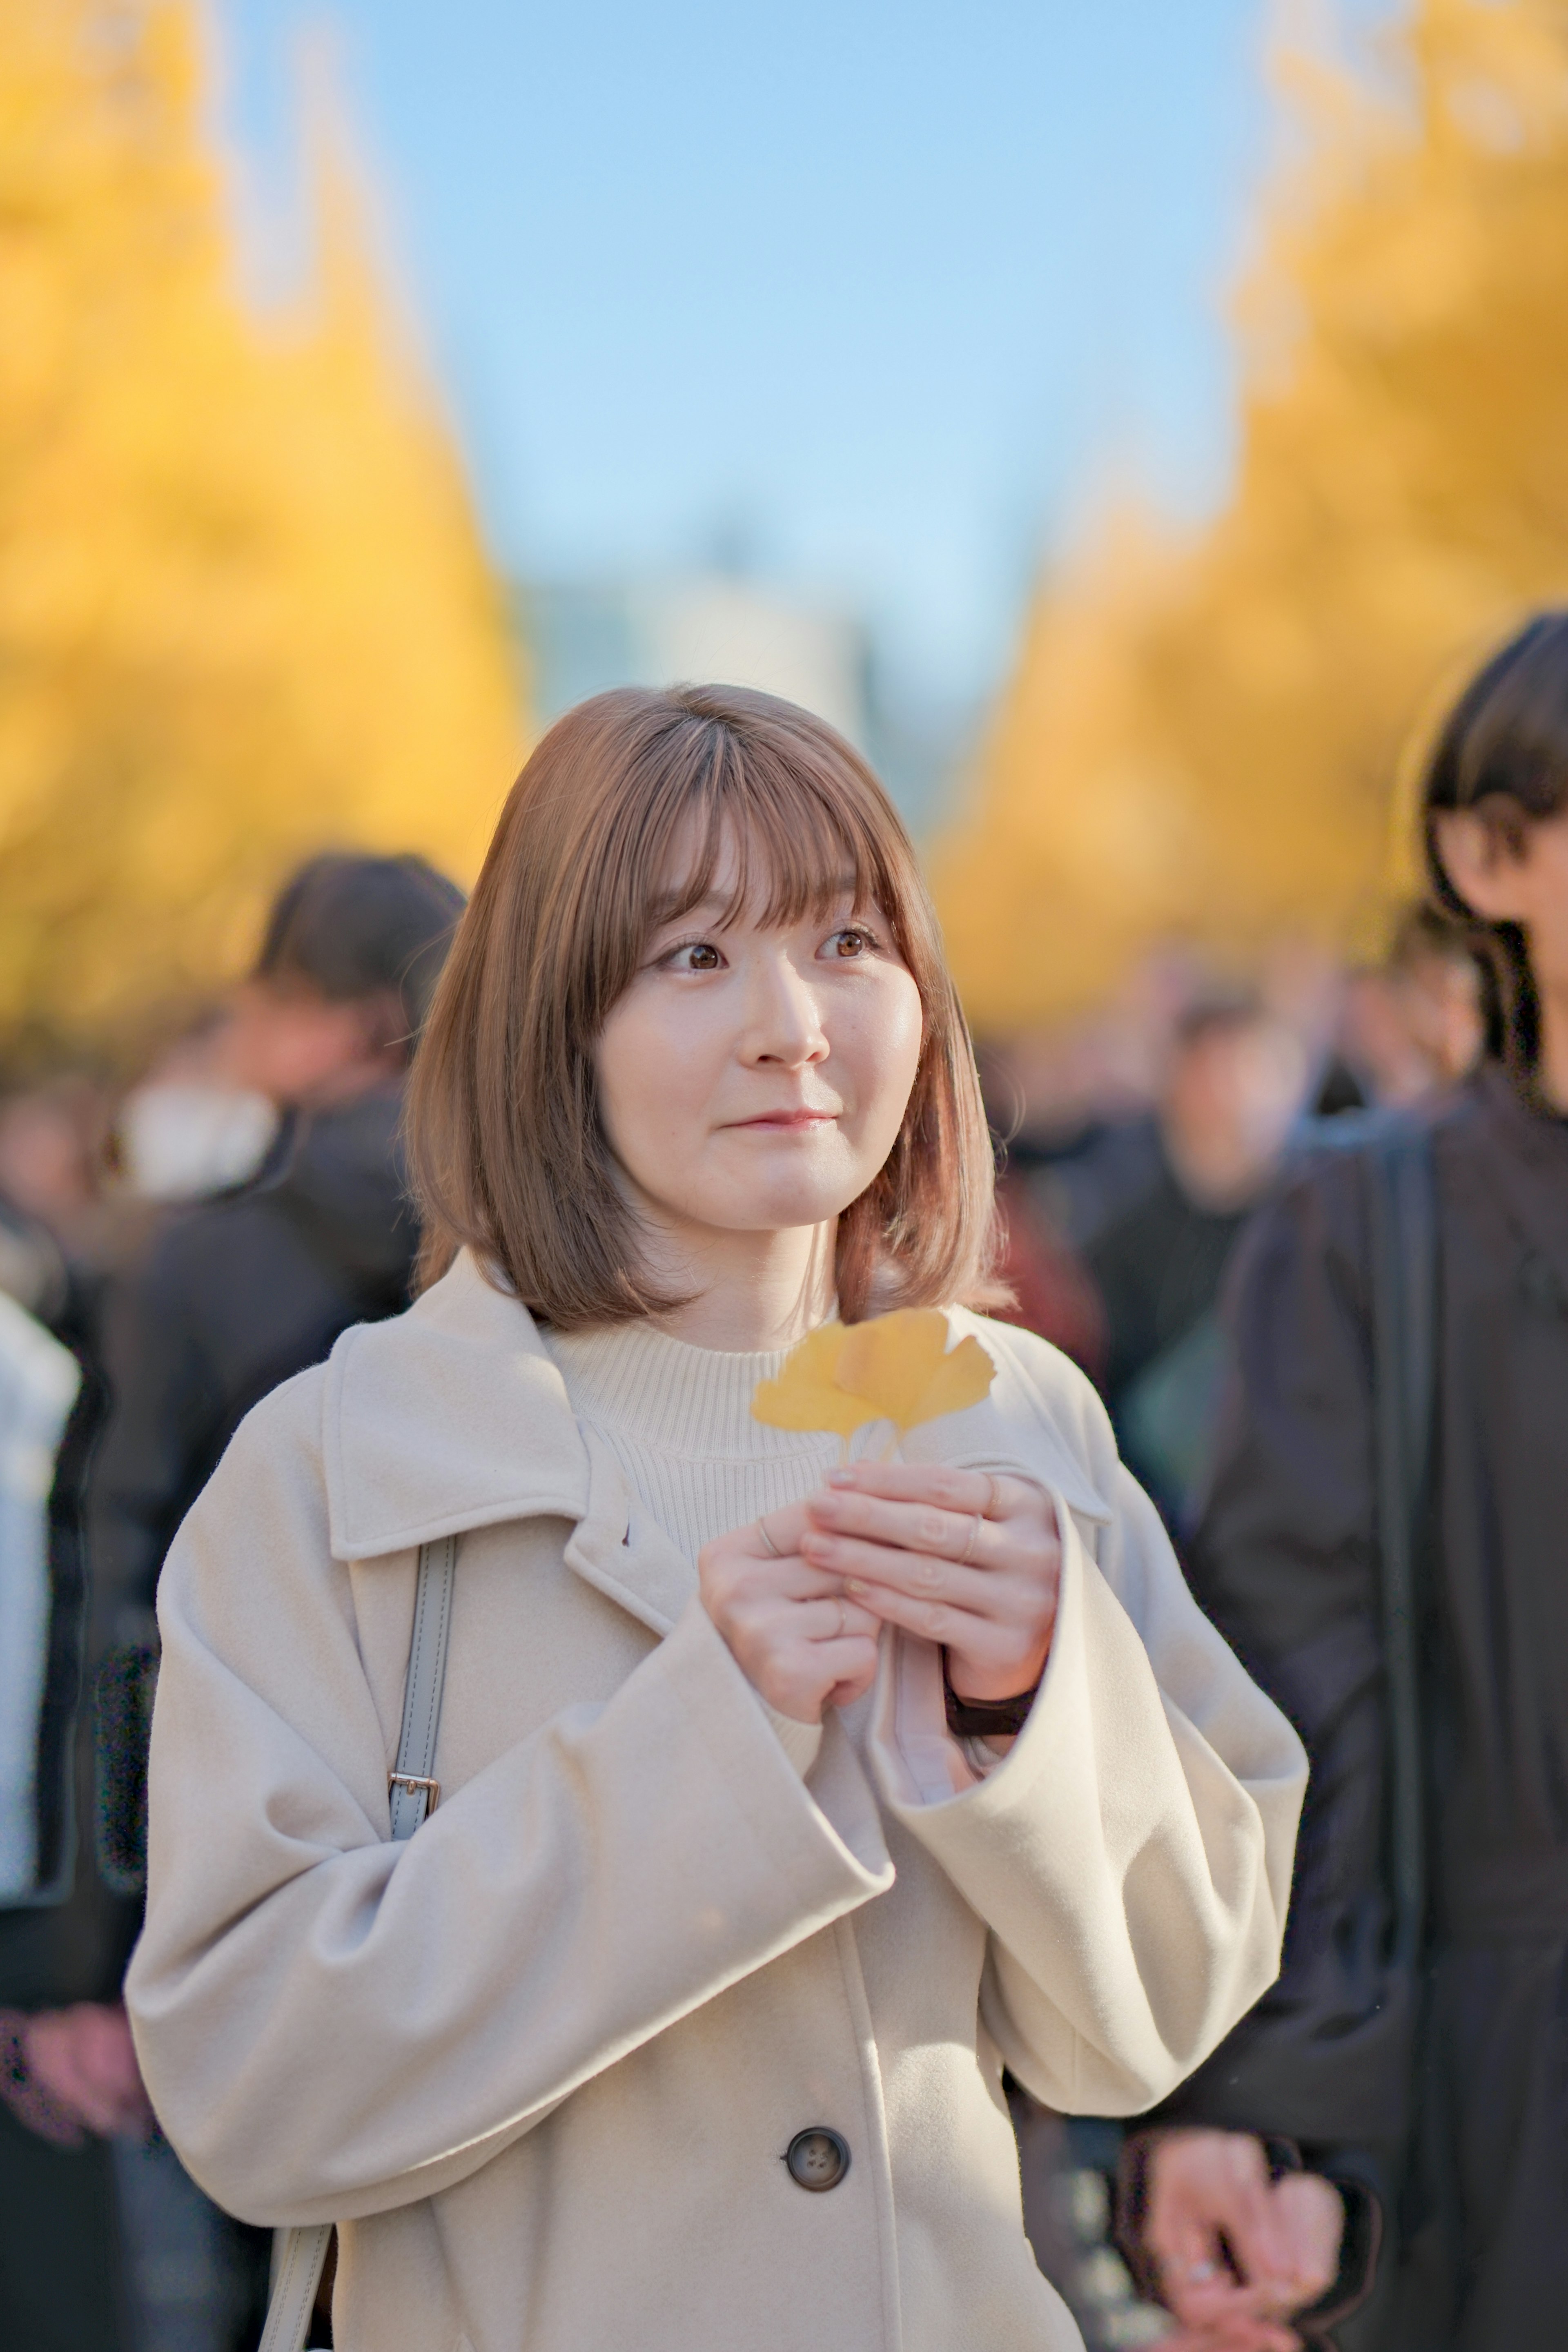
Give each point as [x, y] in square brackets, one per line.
[984, 1719]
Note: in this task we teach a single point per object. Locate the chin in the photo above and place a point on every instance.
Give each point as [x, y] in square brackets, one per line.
[778, 1216]
[759, 1207]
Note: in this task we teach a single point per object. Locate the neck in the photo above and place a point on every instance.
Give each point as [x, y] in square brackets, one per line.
[1552, 1071]
[747, 1291]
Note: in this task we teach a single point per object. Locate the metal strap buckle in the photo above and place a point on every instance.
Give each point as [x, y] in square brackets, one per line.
[416, 1780]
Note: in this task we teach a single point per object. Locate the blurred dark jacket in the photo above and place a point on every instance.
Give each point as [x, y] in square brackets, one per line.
[230, 1297]
[1285, 1561]
[1051, 1294]
[1158, 1266]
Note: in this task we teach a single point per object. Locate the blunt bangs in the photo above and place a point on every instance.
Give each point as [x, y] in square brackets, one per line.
[626, 815]
[796, 849]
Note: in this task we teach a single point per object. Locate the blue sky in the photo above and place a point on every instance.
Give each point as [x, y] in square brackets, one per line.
[881, 291]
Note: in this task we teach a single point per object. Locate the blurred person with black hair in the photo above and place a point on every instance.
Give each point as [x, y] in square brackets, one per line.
[242, 1290]
[1416, 2047]
[105, 2246]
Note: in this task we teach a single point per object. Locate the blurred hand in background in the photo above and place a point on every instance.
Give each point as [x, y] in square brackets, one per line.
[1237, 2254]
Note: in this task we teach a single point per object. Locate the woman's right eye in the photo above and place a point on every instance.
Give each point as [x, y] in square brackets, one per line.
[695, 955]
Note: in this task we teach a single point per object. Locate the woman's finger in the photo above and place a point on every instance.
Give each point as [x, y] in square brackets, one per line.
[919, 1574]
[849, 1658]
[833, 1620]
[777, 1533]
[802, 1580]
[993, 1494]
[908, 1526]
[980, 1639]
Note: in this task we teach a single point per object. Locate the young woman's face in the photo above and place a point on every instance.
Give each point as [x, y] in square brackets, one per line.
[756, 1079]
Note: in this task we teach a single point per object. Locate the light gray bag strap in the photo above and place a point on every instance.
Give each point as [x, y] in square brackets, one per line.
[413, 1787]
[299, 2256]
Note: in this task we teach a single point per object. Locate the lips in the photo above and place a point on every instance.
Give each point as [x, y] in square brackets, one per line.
[785, 1122]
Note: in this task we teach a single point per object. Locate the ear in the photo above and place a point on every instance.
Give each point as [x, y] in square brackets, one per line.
[1487, 863]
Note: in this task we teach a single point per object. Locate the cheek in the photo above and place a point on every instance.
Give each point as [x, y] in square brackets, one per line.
[882, 1046]
[627, 1053]
[652, 1071]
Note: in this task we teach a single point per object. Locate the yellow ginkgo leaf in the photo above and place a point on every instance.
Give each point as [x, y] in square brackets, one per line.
[896, 1368]
[901, 1364]
[805, 1396]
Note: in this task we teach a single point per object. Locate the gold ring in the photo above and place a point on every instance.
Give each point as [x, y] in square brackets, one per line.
[774, 1551]
[990, 1510]
[967, 1557]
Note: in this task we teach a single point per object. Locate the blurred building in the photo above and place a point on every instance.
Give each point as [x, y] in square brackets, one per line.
[696, 628]
[728, 627]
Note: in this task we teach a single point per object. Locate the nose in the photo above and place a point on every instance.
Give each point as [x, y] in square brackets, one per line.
[784, 1021]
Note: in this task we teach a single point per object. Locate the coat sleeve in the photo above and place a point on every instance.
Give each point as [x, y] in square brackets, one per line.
[1131, 1856]
[331, 2024]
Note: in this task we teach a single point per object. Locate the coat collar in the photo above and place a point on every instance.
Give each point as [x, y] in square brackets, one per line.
[449, 1417]
[455, 1416]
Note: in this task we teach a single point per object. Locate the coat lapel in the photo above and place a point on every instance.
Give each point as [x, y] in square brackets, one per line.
[617, 1549]
[455, 1416]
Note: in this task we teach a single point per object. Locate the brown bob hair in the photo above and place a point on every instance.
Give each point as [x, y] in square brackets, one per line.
[506, 1146]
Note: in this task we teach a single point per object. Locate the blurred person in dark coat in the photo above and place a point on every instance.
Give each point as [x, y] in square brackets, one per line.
[1474, 2194]
[242, 1291]
[227, 1298]
[64, 1939]
[1233, 1087]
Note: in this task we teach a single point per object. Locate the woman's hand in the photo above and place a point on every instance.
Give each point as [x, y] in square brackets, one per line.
[964, 1560]
[792, 1631]
[1237, 2254]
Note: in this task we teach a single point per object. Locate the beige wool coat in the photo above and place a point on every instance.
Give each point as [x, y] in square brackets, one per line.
[542, 2062]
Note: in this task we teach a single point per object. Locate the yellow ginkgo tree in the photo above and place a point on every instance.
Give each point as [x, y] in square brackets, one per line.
[244, 610]
[1204, 731]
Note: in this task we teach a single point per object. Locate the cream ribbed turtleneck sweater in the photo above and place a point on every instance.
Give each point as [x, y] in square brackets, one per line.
[678, 1421]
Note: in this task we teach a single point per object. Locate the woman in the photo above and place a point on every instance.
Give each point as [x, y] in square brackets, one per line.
[1474, 2190]
[681, 2022]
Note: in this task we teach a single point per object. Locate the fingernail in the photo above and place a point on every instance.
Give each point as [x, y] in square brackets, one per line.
[840, 1477]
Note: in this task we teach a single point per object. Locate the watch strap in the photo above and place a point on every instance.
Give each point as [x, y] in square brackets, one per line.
[975, 1718]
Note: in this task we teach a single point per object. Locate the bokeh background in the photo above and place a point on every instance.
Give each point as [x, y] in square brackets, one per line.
[1123, 421]
[1126, 421]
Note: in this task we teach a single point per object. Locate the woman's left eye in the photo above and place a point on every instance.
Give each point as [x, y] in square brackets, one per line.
[849, 942]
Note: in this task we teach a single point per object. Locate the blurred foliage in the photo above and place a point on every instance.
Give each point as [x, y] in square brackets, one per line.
[244, 610]
[1203, 740]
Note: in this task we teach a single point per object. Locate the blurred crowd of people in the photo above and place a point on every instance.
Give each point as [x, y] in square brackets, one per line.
[1136, 1148]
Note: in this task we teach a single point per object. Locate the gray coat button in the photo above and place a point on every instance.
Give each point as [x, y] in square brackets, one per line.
[818, 2158]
